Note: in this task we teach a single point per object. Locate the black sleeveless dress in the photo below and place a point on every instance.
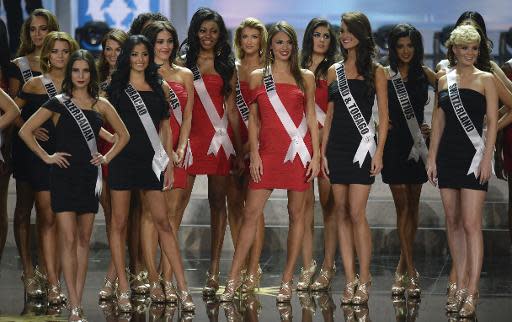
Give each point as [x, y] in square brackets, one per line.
[131, 168]
[72, 188]
[344, 137]
[28, 166]
[455, 149]
[13, 71]
[398, 169]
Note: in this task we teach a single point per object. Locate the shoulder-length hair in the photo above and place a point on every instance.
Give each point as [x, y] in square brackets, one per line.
[462, 35]
[121, 75]
[67, 83]
[359, 25]
[416, 64]
[283, 26]
[116, 35]
[474, 19]
[48, 43]
[26, 44]
[307, 47]
[224, 62]
[254, 24]
[152, 30]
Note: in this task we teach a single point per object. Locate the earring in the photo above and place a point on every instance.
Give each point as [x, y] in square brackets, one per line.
[219, 52]
[271, 56]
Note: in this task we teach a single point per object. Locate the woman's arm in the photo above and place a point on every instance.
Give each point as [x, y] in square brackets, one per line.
[186, 125]
[491, 116]
[122, 135]
[256, 166]
[381, 89]
[166, 137]
[331, 76]
[438, 124]
[310, 88]
[9, 108]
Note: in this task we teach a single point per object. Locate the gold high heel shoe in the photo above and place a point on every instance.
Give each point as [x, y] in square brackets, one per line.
[187, 305]
[285, 311]
[469, 306]
[170, 292]
[232, 314]
[108, 291]
[350, 290]
[323, 280]
[458, 299]
[252, 281]
[306, 302]
[75, 314]
[54, 294]
[212, 284]
[451, 288]
[363, 293]
[139, 283]
[306, 274]
[413, 289]
[230, 290]
[32, 287]
[398, 287]
[124, 302]
[285, 292]
[156, 294]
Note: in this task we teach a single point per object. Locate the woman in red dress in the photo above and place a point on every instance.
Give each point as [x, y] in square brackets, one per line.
[284, 152]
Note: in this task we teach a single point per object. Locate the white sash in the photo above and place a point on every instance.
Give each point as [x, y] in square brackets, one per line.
[419, 148]
[297, 134]
[160, 158]
[320, 114]
[175, 105]
[465, 122]
[221, 137]
[366, 130]
[87, 133]
[49, 86]
[243, 109]
[24, 67]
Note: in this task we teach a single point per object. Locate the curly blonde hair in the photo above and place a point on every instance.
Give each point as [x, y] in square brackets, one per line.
[249, 23]
[461, 35]
[49, 42]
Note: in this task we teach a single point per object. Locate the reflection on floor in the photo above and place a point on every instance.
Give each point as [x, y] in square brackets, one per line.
[494, 304]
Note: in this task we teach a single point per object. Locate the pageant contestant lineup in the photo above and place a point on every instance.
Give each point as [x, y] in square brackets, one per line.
[132, 129]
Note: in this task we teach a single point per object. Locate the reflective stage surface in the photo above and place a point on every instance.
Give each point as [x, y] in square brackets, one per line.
[495, 295]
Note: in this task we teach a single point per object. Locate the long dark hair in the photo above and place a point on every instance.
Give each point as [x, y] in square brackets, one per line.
[416, 72]
[152, 30]
[359, 25]
[67, 83]
[4, 51]
[283, 26]
[121, 76]
[142, 19]
[116, 35]
[307, 48]
[224, 62]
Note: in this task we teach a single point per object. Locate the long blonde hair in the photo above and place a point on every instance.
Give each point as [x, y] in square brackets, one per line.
[249, 23]
[26, 44]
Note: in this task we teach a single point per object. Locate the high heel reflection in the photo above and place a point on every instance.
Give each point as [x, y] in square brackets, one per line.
[212, 309]
[33, 306]
[252, 307]
[308, 306]
[231, 312]
[348, 313]
[406, 310]
[156, 312]
[326, 303]
[285, 311]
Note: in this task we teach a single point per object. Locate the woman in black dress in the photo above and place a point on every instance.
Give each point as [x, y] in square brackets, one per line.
[140, 97]
[460, 158]
[21, 70]
[74, 176]
[352, 158]
[405, 152]
[57, 46]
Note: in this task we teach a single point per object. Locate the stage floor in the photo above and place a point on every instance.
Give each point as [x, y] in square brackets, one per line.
[495, 295]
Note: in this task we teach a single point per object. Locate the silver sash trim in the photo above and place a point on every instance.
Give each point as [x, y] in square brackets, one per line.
[366, 130]
[175, 105]
[49, 86]
[243, 109]
[221, 137]
[87, 132]
[24, 67]
[320, 114]
[297, 134]
[160, 158]
[465, 122]
[419, 147]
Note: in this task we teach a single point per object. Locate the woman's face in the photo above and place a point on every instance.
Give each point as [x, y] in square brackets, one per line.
[208, 34]
[38, 30]
[80, 74]
[281, 46]
[59, 55]
[404, 49]
[111, 52]
[250, 40]
[139, 58]
[466, 54]
[347, 39]
[164, 45]
[321, 40]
